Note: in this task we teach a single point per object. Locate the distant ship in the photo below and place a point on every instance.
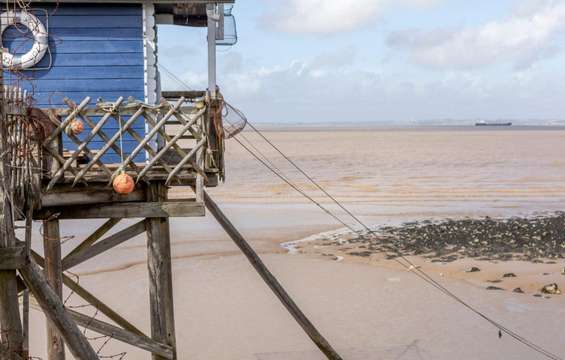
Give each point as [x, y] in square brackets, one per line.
[484, 123]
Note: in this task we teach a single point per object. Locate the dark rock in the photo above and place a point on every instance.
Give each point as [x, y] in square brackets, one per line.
[538, 239]
[509, 275]
[551, 289]
[360, 253]
[494, 288]
[473, 269]
[518, 290]
[538, 295]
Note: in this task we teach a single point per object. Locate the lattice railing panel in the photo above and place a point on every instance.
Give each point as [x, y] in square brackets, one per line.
[155, 145]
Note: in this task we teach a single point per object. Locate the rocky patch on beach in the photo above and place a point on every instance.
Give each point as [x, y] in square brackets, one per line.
[523, 255]
[517, 238]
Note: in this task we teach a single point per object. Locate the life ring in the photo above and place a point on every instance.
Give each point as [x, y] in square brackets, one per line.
[40, 39]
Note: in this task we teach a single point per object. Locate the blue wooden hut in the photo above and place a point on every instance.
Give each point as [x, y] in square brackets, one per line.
[101, 49]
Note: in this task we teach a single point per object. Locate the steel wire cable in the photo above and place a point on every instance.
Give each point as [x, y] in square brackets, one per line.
[409, 265]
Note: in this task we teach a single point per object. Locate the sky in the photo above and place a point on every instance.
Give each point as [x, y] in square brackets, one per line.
[383, 60]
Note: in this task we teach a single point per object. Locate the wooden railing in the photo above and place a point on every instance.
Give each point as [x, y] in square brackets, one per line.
[164, 157]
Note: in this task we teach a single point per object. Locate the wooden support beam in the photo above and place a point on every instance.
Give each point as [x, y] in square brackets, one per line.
[53, 273]
[104, 245]
[65, 195]
[270, 280]
[12, 258]
[100, 306]
[25, 295]
[139, 341]
[54, 310]
[95, 236]
[160, 274]
[11, 332]
[190, 94]
[92, 300]
[10, 324]
[125, 210]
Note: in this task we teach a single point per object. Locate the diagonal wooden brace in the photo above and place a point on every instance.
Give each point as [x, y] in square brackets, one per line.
[54, 310]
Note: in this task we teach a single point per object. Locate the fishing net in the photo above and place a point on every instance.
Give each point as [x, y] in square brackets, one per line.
[234, 120]
[21, 146]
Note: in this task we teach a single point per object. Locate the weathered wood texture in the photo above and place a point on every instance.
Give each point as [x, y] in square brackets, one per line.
[93, 300]
[65, 195]
[25, 295]
[141, 341]
[104, 245]
[97, 50]
[12, 258]
[53, 273]
[124, 210]
[270, 280]
[95, 236]
[156, 116]
[189, 94]
[54, 310]
[11, 332]
[160, 274]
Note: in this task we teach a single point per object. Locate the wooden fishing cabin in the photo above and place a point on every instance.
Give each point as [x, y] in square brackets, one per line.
[82, 108]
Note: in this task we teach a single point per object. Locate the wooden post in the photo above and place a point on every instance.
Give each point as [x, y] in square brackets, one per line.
[255, 261]
[212, 23]
[54, 310]
[25, 296]
[10, 325]
[160, 274]
[54, 275]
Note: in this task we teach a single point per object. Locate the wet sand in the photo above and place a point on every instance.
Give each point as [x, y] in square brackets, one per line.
[369, 308]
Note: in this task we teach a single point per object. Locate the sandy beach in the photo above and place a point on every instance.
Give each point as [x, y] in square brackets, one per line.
[368, 307]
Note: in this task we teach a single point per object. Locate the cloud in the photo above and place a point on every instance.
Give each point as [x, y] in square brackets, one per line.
[523, 38]
[331, 16]
[311, 90]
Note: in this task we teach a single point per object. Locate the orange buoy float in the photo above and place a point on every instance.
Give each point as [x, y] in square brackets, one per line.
[123, 184]
[75, 127]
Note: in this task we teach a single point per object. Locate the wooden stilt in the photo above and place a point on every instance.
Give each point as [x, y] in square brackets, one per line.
[10, 325]
[25, 296]
[160, 274]
[255, 261]
[11, 333]
[54, 310]
[91, 299]
[53, 273]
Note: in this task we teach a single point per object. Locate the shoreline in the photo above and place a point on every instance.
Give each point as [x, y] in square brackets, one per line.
[490, 268]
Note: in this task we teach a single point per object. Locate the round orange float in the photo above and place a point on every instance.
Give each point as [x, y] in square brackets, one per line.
[123, 184]
[75, 127]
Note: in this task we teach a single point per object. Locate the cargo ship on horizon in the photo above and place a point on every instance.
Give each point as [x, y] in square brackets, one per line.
[485, 123]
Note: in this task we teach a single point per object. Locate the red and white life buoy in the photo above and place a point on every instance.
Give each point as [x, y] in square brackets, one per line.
[40, 39]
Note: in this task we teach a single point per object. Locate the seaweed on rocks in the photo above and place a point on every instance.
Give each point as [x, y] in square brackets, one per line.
[518, 238]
